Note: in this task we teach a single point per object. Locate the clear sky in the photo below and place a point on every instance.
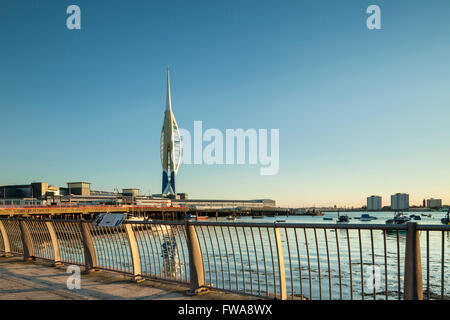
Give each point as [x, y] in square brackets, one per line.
[360, 111]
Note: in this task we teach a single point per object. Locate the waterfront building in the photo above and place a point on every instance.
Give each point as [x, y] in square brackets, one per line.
[131, 192]
[374, 203]
[80, 193]
[79, 188]
[400, 201]
[223, 204]
[434, 203]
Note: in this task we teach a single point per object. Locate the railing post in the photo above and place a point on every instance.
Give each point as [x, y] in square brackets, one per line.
[413, 265]
[90, 259]
[196, 268]
[281, 268]
[55, 244]
[5, 240]
[134, 253]
[28, 247]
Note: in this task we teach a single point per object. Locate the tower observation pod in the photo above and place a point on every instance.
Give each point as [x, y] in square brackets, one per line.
[170, 146]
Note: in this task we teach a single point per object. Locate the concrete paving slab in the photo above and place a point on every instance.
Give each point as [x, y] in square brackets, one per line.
[39, 280]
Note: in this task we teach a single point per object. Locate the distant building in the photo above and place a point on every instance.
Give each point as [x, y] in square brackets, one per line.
[79, 188]
[131, 192]
[224, 204]
[434, 203]
[374, 203]
[400, 201]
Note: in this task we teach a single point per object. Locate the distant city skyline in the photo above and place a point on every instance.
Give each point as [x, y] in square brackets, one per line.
[360, 112]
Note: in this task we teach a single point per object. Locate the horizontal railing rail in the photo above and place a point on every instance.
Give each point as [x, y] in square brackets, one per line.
[270, 260]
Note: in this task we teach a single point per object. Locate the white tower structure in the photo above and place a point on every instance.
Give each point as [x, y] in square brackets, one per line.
[170, 146]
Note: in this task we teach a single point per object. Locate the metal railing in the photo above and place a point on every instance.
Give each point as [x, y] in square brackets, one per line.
[269, 260]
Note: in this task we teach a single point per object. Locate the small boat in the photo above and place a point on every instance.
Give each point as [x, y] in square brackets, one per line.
[328, 218]
[343, 218]
[446, 219]
[233, 218]
[398, 219]
[280, 221]
[366, 217]
[257, 217]
[415, 217]
[202, 217]
[138, 219]
[313, 212]
[136, 225]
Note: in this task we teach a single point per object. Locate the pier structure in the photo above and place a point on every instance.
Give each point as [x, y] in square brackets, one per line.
[90, 212]
[157, 213]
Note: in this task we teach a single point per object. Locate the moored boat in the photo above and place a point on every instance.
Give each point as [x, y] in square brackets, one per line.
[366, 217]
[446, 219]
[343, 218]
[399, 218]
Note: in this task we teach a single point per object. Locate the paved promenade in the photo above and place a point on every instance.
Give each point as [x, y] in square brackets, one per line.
[40, 281]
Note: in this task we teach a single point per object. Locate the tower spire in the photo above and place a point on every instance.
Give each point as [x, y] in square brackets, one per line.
[168, 99]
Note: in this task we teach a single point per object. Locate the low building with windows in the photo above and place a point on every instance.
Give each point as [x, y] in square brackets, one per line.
[434, 203]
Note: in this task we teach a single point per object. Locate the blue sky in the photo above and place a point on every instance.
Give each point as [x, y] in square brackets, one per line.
[360, 112]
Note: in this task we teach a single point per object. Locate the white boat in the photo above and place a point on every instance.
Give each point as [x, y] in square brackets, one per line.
[138, 219]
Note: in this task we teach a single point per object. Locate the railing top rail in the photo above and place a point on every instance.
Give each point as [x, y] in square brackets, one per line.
[266, 224]
[325, 225]
[90, 221]
[433, 227]
[302, 225]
